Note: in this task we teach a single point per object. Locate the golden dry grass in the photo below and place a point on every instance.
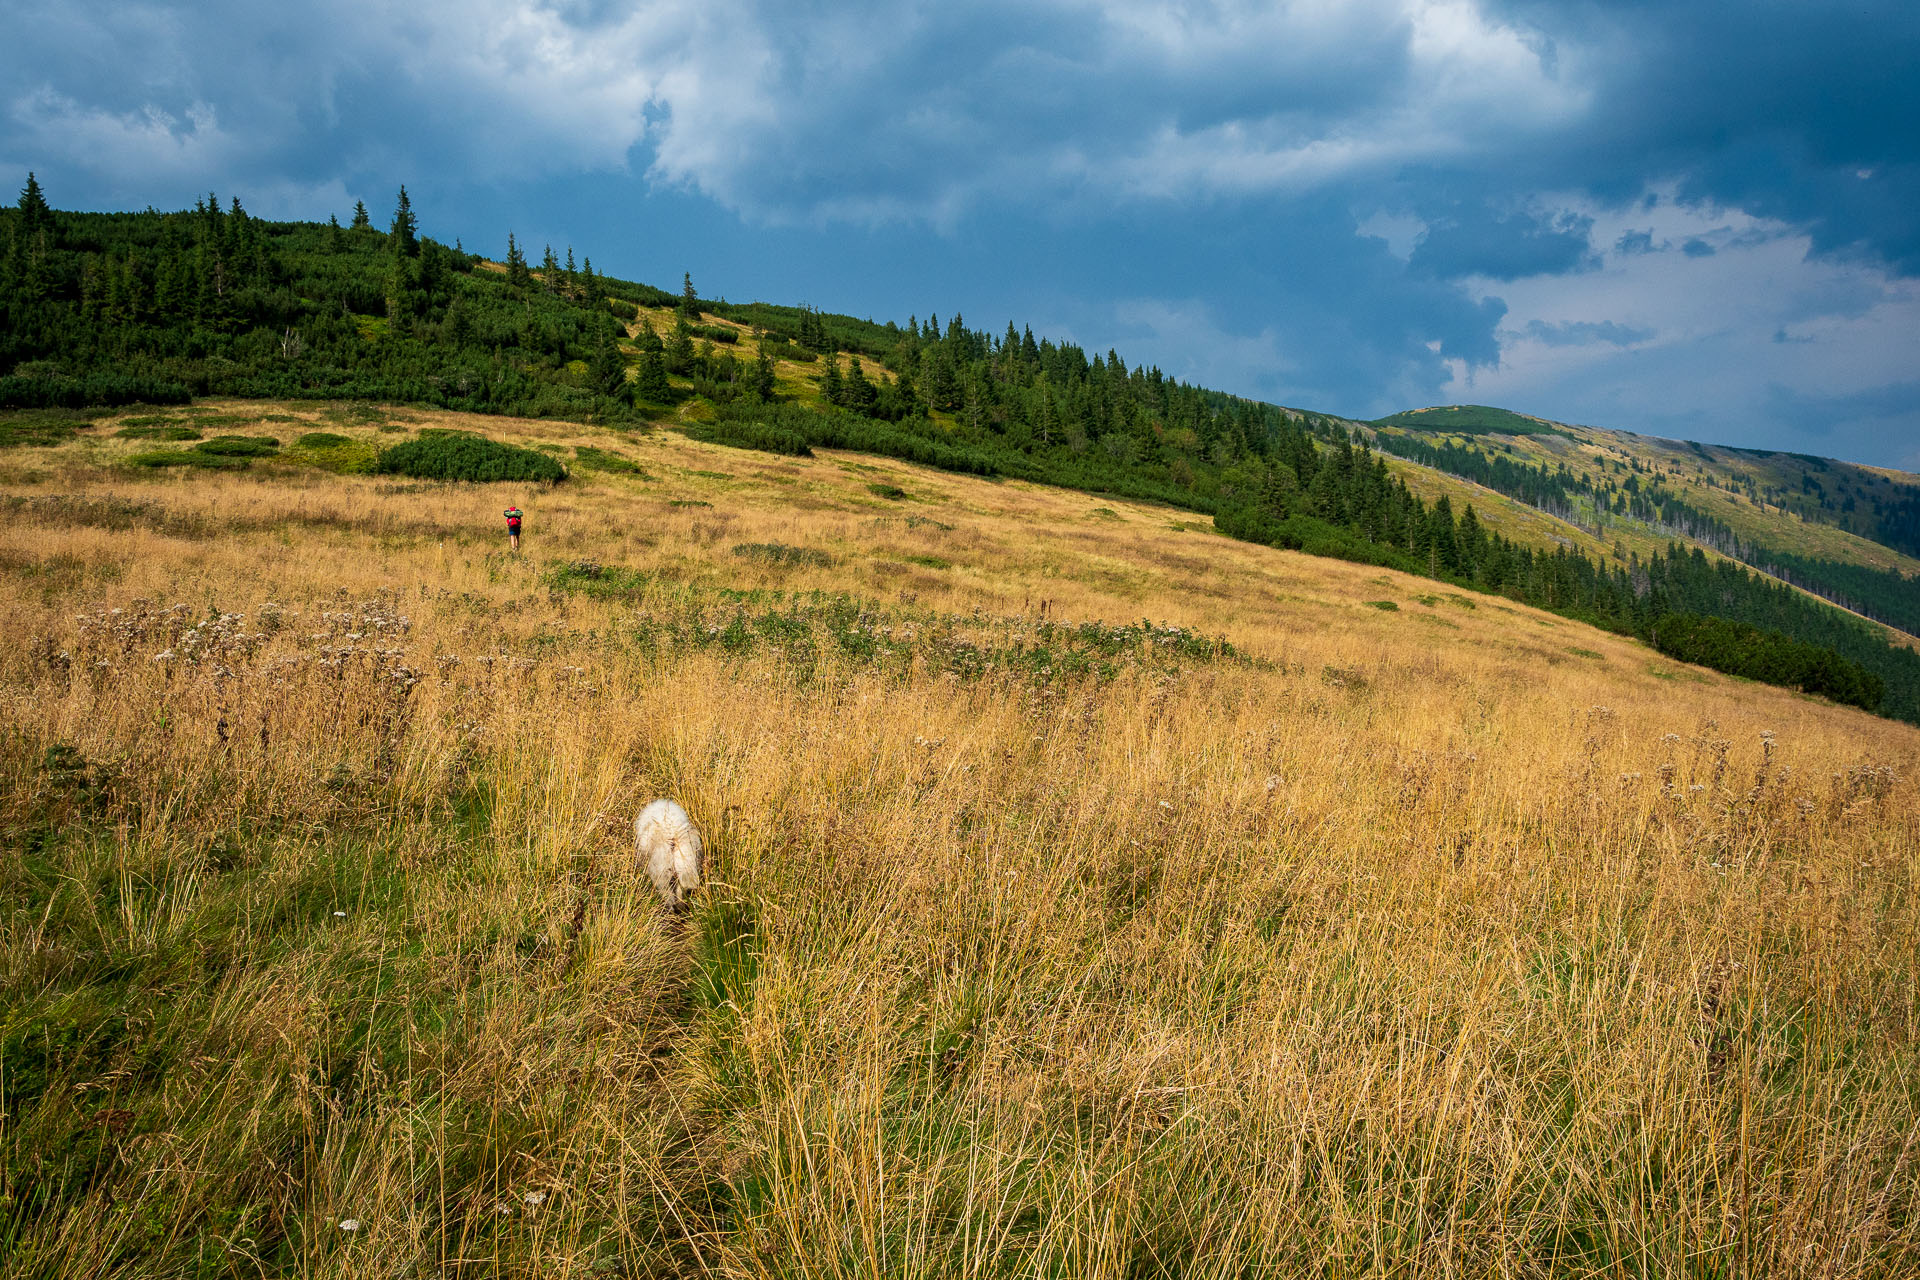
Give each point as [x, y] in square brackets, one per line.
[1452, 939]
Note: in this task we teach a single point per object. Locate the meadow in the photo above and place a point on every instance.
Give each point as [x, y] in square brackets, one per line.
[1092, 894]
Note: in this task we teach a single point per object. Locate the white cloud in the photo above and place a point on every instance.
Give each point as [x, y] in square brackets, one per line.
[143, 144]
[1714, 337]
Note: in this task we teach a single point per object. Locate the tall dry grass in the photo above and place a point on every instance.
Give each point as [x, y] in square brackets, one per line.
[1446, 940]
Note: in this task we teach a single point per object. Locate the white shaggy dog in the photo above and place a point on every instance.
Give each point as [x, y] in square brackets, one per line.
[666, 842]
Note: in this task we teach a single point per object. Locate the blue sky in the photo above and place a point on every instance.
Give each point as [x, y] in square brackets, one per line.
[1699, 220]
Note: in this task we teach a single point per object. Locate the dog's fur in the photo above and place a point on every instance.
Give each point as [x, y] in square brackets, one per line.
[667, 844]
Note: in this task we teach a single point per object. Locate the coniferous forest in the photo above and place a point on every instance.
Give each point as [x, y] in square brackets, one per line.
[109, 309]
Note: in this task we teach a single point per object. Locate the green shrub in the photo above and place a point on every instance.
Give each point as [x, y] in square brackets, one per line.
[780, 349]
[172, 431]
[57, 391]
[322, 440]
[1384, 606]
[892, 491]
[239, 446]
[187, 458]
[754, 435]
[452, 455]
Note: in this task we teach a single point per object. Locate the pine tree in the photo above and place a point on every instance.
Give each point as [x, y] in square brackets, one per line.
[550, 272]
[406, 240]
[35, 215]
[857, 394]
[832, 390]
[763, 375]
[650, 383]
[361, 222]
[608, 368]
[689, 300]
[680, 350]
[517, 273]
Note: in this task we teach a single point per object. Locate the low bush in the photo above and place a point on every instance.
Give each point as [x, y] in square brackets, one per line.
[239, 446]
[452, 455]
[763, 436]
[322, 440]
[58, 392]
[187, 458]
[171, 431]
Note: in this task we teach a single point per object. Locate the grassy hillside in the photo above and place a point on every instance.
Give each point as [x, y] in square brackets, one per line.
[103, 310]
[1838, 530]
[1094, 895]
[1470, 420]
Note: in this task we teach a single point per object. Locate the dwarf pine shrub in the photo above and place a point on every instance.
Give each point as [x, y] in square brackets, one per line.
[459, 455]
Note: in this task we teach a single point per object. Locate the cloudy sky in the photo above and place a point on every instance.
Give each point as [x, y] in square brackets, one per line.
[1686, 218]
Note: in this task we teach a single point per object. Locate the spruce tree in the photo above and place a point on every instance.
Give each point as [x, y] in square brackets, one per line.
[650, 383]
[832, 389]
[517, 273]
[406, 240]
[608, 369]
[763, 376]
[550, 272]
[35, 215]
[680, 350]
[689, 300]
[361, 222]
[857, 394]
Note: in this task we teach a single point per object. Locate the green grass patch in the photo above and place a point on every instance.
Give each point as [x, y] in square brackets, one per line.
[589, 458]
[1384, 606]
[929, 562]
[892, 492]
[782, 554]
[342, 455]
[1586, 653]
[40, 429]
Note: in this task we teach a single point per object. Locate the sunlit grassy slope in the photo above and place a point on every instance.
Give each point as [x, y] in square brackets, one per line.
[1760, 496]
[1093, 895]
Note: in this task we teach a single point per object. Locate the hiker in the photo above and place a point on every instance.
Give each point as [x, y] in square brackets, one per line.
[513, 528]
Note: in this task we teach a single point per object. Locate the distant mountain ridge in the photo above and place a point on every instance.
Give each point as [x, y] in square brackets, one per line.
[1845, 532]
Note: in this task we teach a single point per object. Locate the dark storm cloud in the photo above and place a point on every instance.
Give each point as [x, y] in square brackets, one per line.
[1210, 162]
[1471, 241]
